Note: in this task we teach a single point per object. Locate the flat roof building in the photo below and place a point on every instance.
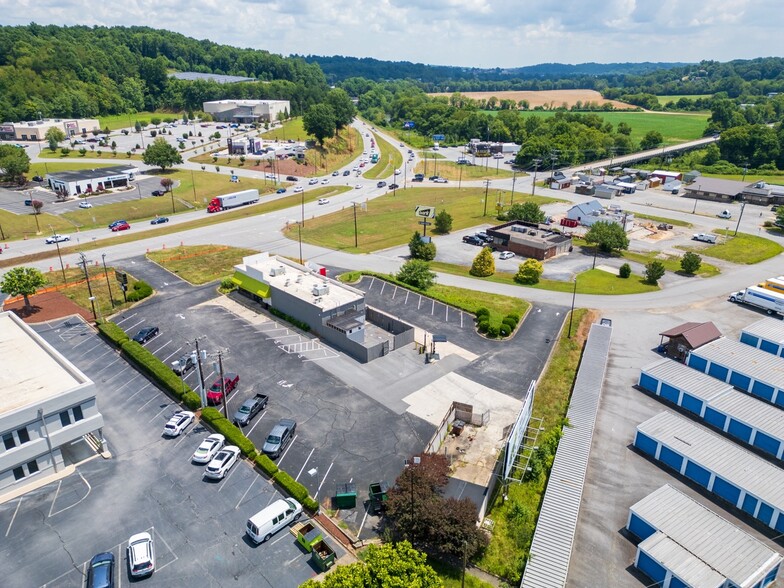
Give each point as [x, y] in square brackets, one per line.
[686, 544]
[88, 181]
[46, 406]
[36, 130]
[530, 240]
[191, 76]
[247, 111]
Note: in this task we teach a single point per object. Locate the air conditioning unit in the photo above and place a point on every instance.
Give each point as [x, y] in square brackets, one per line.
[320, 290]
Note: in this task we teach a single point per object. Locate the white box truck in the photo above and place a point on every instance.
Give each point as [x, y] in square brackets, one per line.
[769, 301]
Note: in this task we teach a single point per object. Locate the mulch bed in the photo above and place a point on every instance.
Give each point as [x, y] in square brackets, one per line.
[47, 307]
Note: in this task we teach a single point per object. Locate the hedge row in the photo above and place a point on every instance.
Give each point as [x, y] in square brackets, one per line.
[296, 490]
[234, 436]
[290, 319]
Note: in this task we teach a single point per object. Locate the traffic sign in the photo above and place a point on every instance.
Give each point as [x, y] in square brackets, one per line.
[425, 223]
[425, 211]
[438, 137]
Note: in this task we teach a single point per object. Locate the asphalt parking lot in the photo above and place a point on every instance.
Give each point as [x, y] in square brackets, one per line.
[148, 484]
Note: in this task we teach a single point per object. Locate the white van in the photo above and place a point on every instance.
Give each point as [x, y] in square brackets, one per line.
[266, 523]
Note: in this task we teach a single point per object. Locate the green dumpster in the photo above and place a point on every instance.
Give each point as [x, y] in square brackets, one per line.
[323, 555]
[346, 495]
[308, 535]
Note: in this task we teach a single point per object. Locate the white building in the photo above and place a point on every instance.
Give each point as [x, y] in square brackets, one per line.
[87, 181]
[247, 111]
[46, 406]
[36, 130]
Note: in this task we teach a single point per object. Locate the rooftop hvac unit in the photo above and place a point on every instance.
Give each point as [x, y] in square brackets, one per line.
[532, 233]
[299, 279]
[320, 290]
[277, 271]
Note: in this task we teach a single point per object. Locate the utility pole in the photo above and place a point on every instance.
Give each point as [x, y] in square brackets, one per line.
[59, 255]
[487, 187]
[83, 263]
[354, 206]
[106, 274]
[201, 375]
[514, 179]
[302, 209]
[553, 159]
[740, 216]
[536, 168]
[223, 384]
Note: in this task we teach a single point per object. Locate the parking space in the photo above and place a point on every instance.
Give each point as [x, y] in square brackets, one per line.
[148, 484]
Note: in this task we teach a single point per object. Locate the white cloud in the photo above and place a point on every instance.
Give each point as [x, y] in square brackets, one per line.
[483, 33]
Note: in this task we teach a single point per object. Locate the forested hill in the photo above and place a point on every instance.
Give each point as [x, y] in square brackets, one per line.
[83, 71]
[338, 68]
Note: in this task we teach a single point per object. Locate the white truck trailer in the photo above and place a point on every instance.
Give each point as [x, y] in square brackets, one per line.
[769, 301]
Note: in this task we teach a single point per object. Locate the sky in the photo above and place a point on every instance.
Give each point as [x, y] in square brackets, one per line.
[471, 33]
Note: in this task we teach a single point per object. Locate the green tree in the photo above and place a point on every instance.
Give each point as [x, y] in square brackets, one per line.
[526, 211]
[651, 140]
[654, 270]
[342, 106]
[529, 272]
[779, 215]
[625, 271]
[711, 154]
[608, 236]
[416, 272]
[623, 128]
[484, 264]
[443, 222]
[155, 120]
[382, 566]
[691, 262]
[421, 250]
[14, 162]
[53, 136]
[137, 126]
[23, 281]
[320, 122]
[161, 154]
[166, 184]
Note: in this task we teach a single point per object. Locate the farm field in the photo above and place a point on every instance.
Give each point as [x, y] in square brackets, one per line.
[674, 98]
[546, 98]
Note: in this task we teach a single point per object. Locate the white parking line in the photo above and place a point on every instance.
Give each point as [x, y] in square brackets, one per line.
[85, 352]
[164, 409]
[394, 292]
[406, 300]
[287, 449]
[323, 480]
[81, 342]
[89, 489]
[170, 550]
[246, 492]
[420, 302]
[258, 420]
[304, 464]
[161, 347]
[146, 403]
[175, 352]
[56, 492]
[106, 367]
[125, 319]
[133, 326]
[13, 518]
[234, 468]
[383, 285]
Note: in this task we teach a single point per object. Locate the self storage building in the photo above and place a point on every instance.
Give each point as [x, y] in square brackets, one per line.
[683, 543]
[737, 414]
[726, 470]
[752, 370]
[766, 334]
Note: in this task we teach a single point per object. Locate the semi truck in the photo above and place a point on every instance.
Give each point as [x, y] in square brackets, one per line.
[767, 300]
[233, 200]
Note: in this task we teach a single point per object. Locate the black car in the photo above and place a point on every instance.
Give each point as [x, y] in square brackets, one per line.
[158, 192]
[38, 179]
[291, 179]
[347, 173]
[159, 220]
[381, 184]
[473, 240]
[100, 572]
[145, 334]
[393, 186]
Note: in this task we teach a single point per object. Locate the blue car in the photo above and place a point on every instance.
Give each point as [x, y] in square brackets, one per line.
[159, 220]
[281, 190]
[100, 573]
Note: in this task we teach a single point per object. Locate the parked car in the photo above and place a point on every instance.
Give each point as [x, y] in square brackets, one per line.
[506, 255]
[323, 200]
[222, 462]
[56, 239]
[178, 423]
[725, 214]
[484, 237]
[121, 227]
[100, 571]
[312, 181]
[249, 409]
[298, 189]
[381, 184]
[498, 156]
[159, 220]
[473, 240]
[325, 181]
[357, 186]
[292, 179]
[141, 555]
[145, 334]
[183, 365]
[280, 191]
[208, 448]
[85, 204]
[158, 192]
[230, 381]
[419, 178]
[38, 179]
[279, 437]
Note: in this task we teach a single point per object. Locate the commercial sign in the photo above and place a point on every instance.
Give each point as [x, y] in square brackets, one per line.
[425, 211]
[409, 124]
[7, 129]
[438, 137]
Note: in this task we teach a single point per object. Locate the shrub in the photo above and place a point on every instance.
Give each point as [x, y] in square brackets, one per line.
[509, 322]
[296, 490]
[299, 324]
[691, 262]
[229, 430]
[654, 271]
[625, 271]
[113, 333]
[139, 291]
[505, 330]
[483, 264]
[65, 151]
[529, 272]
[266, 465]
[227, 285]
[310, 504]
[492, 331]
[147, 363]
[482, 311]
[482, 326]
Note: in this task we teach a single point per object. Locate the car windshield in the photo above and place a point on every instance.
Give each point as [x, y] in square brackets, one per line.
[244, 409]
[273, 440]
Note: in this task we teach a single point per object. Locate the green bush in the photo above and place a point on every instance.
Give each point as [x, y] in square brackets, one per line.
[492, 331]
[229, 430]
[191, 400]
[505, 330]
[227, 285]
[156, 369]
[113, 333]
[515, 316]
[266, 465]
[483, 326]
[310, 504]
[625, 271]
[291, 486]
[139, 291]
[480, 312]
[290, 319]
[510, 321]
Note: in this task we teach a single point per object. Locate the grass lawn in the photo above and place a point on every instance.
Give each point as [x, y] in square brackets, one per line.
[431, 155]
[665, 99]
[770, 178]
[76, 287]
[742, 248]
[291, 129]
[389, 159]
[672, 263]
[588, 282]
[675, 128]
[23, 226]
[452, 577]
[515, 518]
[199, 264]
[389, 220]
[99, 153]
[125, 121]
[453, 172]
[41, 169]
[130, 210]
[661, 219]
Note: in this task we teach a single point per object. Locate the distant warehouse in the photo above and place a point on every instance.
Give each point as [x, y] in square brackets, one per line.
[247, 111]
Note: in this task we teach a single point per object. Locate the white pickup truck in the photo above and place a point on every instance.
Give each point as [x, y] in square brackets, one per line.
[705, 237]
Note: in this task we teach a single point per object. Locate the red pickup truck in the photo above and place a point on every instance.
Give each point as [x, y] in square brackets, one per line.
[214, 394]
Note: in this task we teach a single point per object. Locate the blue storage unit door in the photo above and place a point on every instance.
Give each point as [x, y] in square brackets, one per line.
[692, 404]
[740, 430]
[645, 444]
[765, 513]
[764, 391]
[767, 443]
[727, 491]
[676, 582]
[649, 383]
[639, 527]
[672, 459]
[650, 567]
[779, 401]
[670, 393]
[718, 371]
[697, 362]
[741, 381]
[697, 473]
[780, 523]
[771, 576]
[749, 339]
[715, 418]
[769, 346]
[749, 504]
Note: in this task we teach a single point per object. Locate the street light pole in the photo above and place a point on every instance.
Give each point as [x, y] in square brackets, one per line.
[514, 179]
[571, 313]
[83, 263]
[106, 273]
[536, 169]
[487, 187]
[299, 234]
[59, 255]
[740, 216]
[354, 206]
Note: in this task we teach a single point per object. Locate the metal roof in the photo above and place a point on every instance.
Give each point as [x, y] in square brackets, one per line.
[191, 76]
[92, 174]
[690, 380]
[551, 548]
[692, 570]
[768, 328]
[753, 412]
[696, 334]
[745, 359]
[723, 457]
[705, 536]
